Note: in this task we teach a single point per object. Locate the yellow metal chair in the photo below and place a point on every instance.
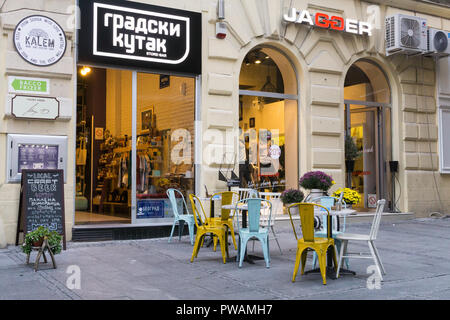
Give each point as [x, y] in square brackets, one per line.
[228, 197]
[204, 226]
[309, 242]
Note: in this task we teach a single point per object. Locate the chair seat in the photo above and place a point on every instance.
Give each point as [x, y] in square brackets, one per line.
[324, 234]
[317, 241]
[215, 228]
[186, 217]
[218, 220]
[353, 236]
[247, 231]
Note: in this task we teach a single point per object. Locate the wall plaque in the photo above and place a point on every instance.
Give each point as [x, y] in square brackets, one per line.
[40, 40]
[29, 107]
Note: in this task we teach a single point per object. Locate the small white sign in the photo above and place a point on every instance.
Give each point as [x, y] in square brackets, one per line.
[28, 107]
[28, 85]
[371, 200]
[275, 152]
[40, 40]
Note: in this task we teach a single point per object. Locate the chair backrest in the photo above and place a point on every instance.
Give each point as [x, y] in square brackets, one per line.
[341, 196]
[198, 211]
[245, 193]
[325, 201]
[255, 205]
[171, 194]
[227, 198]
[306, 212]
[277, 207]
[377, 219]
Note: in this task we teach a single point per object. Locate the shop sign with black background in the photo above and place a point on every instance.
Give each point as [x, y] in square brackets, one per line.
[42, 202]
[141, 36]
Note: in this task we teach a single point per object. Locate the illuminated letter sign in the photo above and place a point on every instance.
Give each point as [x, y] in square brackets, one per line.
[140, 35]
[323, 20]
[134, 34]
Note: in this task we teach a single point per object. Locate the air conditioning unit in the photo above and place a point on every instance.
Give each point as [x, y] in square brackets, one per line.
[438, 43]
[406, 35]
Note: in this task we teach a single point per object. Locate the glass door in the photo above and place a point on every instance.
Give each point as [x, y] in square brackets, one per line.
[365, 124]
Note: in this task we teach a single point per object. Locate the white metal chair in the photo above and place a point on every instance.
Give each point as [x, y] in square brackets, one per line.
[370, 238]
[266, 218]
[245, 193]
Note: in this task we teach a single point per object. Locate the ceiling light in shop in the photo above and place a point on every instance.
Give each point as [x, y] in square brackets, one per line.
[85, 71]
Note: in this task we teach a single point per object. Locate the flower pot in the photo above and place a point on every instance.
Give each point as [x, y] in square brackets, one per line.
[38, 243]
[293, 210]
[315, 193]
[349, 165]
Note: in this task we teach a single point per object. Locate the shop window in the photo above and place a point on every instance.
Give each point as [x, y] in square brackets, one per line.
[268, 152]
[444, 128]
[107, 179]
[165, 142]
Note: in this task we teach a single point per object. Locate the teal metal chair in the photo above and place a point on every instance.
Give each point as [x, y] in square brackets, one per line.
[180, 218]
[328, 202]
[254, 230]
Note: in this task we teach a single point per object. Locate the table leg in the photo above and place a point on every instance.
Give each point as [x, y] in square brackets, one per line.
[330, 269]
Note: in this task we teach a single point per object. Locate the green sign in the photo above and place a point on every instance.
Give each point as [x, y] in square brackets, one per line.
[29, 85]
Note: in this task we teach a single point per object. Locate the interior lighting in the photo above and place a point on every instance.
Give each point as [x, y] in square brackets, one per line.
[85, 71]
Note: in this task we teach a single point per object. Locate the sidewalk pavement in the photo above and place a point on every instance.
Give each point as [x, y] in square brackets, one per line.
[415, 254]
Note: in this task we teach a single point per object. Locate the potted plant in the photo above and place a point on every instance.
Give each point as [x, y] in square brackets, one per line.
[350, 196]
[36, 237]
[290, 196]
[351, 153]
[316, 181]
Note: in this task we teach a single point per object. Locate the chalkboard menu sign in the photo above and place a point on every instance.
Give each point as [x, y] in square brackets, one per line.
[42, 201]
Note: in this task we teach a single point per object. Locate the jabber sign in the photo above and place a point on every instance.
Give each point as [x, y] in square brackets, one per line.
[325, 21]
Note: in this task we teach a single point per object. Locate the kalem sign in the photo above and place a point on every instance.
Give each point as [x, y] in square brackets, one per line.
[135, 34]
[40, 40]
[325, 21]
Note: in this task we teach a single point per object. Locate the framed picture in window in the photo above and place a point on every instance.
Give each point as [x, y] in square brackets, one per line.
[146, 119]
[251, 122]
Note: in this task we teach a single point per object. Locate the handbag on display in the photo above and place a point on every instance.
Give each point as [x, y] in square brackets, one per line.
[81, 153]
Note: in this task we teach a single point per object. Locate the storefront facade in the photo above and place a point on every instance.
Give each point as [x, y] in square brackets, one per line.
[322, 80]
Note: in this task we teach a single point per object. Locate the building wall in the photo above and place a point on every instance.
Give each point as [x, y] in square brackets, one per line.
[62, 86]
[321, 59]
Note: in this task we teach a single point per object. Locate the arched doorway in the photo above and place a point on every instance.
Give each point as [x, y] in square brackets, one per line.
[268, 121]
[367, 97]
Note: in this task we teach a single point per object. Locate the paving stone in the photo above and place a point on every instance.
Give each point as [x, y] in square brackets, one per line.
[415, 254]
